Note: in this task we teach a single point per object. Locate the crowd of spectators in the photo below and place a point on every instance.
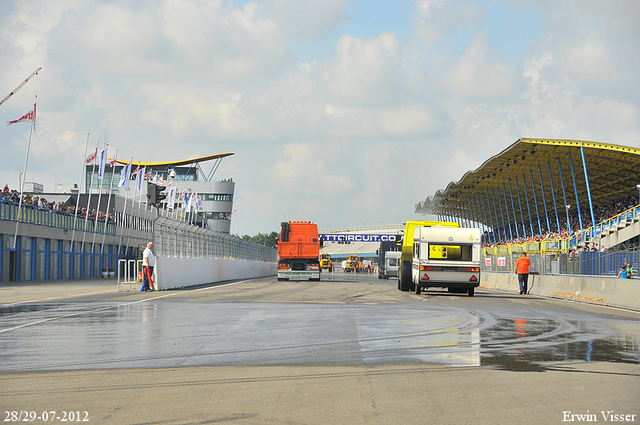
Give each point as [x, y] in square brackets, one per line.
[9, 196]
[601, 213]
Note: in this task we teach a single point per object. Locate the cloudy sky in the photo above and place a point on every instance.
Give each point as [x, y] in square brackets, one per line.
[342, 112]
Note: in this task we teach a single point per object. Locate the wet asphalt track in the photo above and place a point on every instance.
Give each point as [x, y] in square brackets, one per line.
[348, 349]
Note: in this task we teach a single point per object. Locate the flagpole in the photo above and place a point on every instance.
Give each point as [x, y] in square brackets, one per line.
[26, 161]
[86, 217]
[84, 171]
[124, 209]
[103, 157]
[133, 201]
[106, 218]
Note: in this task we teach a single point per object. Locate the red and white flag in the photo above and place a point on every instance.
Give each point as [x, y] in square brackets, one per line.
[113, 161]
[29, 116]
[92, 156]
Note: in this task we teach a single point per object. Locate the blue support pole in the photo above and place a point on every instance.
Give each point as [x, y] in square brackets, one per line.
[506, 209]
[564, 195]
[575, 190]
[504, 230]
[513, 208]
[490, 221]
[553, 194]
[526, 195]
[47, 259]
[485, 221]
[18, 257]
[535, 200]
[60, 258]
[586, 180]
[71, 259]
[524, 226]
[544, 199]
[460, 217]
[471, 213]
[34, 255]
[476, 219]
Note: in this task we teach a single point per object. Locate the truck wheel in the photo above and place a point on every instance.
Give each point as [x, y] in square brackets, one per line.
[405, 274]
[470, 292]
[418, 289]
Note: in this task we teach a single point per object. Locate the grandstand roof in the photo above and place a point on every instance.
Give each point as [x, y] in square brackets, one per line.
[613, 173]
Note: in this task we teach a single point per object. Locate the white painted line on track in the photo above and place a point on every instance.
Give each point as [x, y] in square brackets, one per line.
[110, 307]
[55, 298]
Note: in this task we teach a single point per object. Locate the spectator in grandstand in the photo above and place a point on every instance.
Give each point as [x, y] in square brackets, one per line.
[622, 274]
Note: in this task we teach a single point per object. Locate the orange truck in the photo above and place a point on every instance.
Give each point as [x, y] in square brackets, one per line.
[298, 251]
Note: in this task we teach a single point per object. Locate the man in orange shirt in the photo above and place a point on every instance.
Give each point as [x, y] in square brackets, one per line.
[522, 270]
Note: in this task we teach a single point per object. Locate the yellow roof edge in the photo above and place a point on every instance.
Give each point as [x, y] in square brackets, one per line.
[176, 163]
[581, 143]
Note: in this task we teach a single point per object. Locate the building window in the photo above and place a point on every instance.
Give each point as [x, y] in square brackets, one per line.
[217, 197]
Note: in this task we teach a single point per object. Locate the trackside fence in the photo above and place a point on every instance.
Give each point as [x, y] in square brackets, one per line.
[561, 262]
[179, 239]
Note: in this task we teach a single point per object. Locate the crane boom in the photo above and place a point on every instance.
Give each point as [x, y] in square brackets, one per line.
[20, 86]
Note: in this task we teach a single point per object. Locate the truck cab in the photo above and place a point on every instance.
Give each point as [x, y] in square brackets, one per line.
[298, 251]
[391, 263]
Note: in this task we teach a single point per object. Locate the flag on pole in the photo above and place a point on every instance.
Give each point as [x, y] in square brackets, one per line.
[125, 175]
[92, 156]
[139, 179]
[102, 161]
[172, 198]
[29, 116]
[113, 161]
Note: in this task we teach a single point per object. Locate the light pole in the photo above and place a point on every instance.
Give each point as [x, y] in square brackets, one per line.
[568, 222]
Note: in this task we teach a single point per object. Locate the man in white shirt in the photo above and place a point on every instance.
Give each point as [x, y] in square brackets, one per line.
[148, 262]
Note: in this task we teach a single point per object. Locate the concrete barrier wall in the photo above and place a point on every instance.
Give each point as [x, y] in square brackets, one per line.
[602, 290]
[173, 273]
[183, 272]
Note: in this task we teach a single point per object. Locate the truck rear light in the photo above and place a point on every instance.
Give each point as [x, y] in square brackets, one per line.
[426, 268]
[473, 269]
[283, 266]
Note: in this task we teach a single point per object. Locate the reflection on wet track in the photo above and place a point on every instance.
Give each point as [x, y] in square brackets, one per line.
[492, 330]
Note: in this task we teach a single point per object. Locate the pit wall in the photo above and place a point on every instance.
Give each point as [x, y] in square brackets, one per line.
[171, 273]
[601, 290]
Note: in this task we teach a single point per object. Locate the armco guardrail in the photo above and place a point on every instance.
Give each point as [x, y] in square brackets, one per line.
[600, 290]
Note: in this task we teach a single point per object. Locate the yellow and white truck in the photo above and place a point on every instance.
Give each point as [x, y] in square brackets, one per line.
[405, 239]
